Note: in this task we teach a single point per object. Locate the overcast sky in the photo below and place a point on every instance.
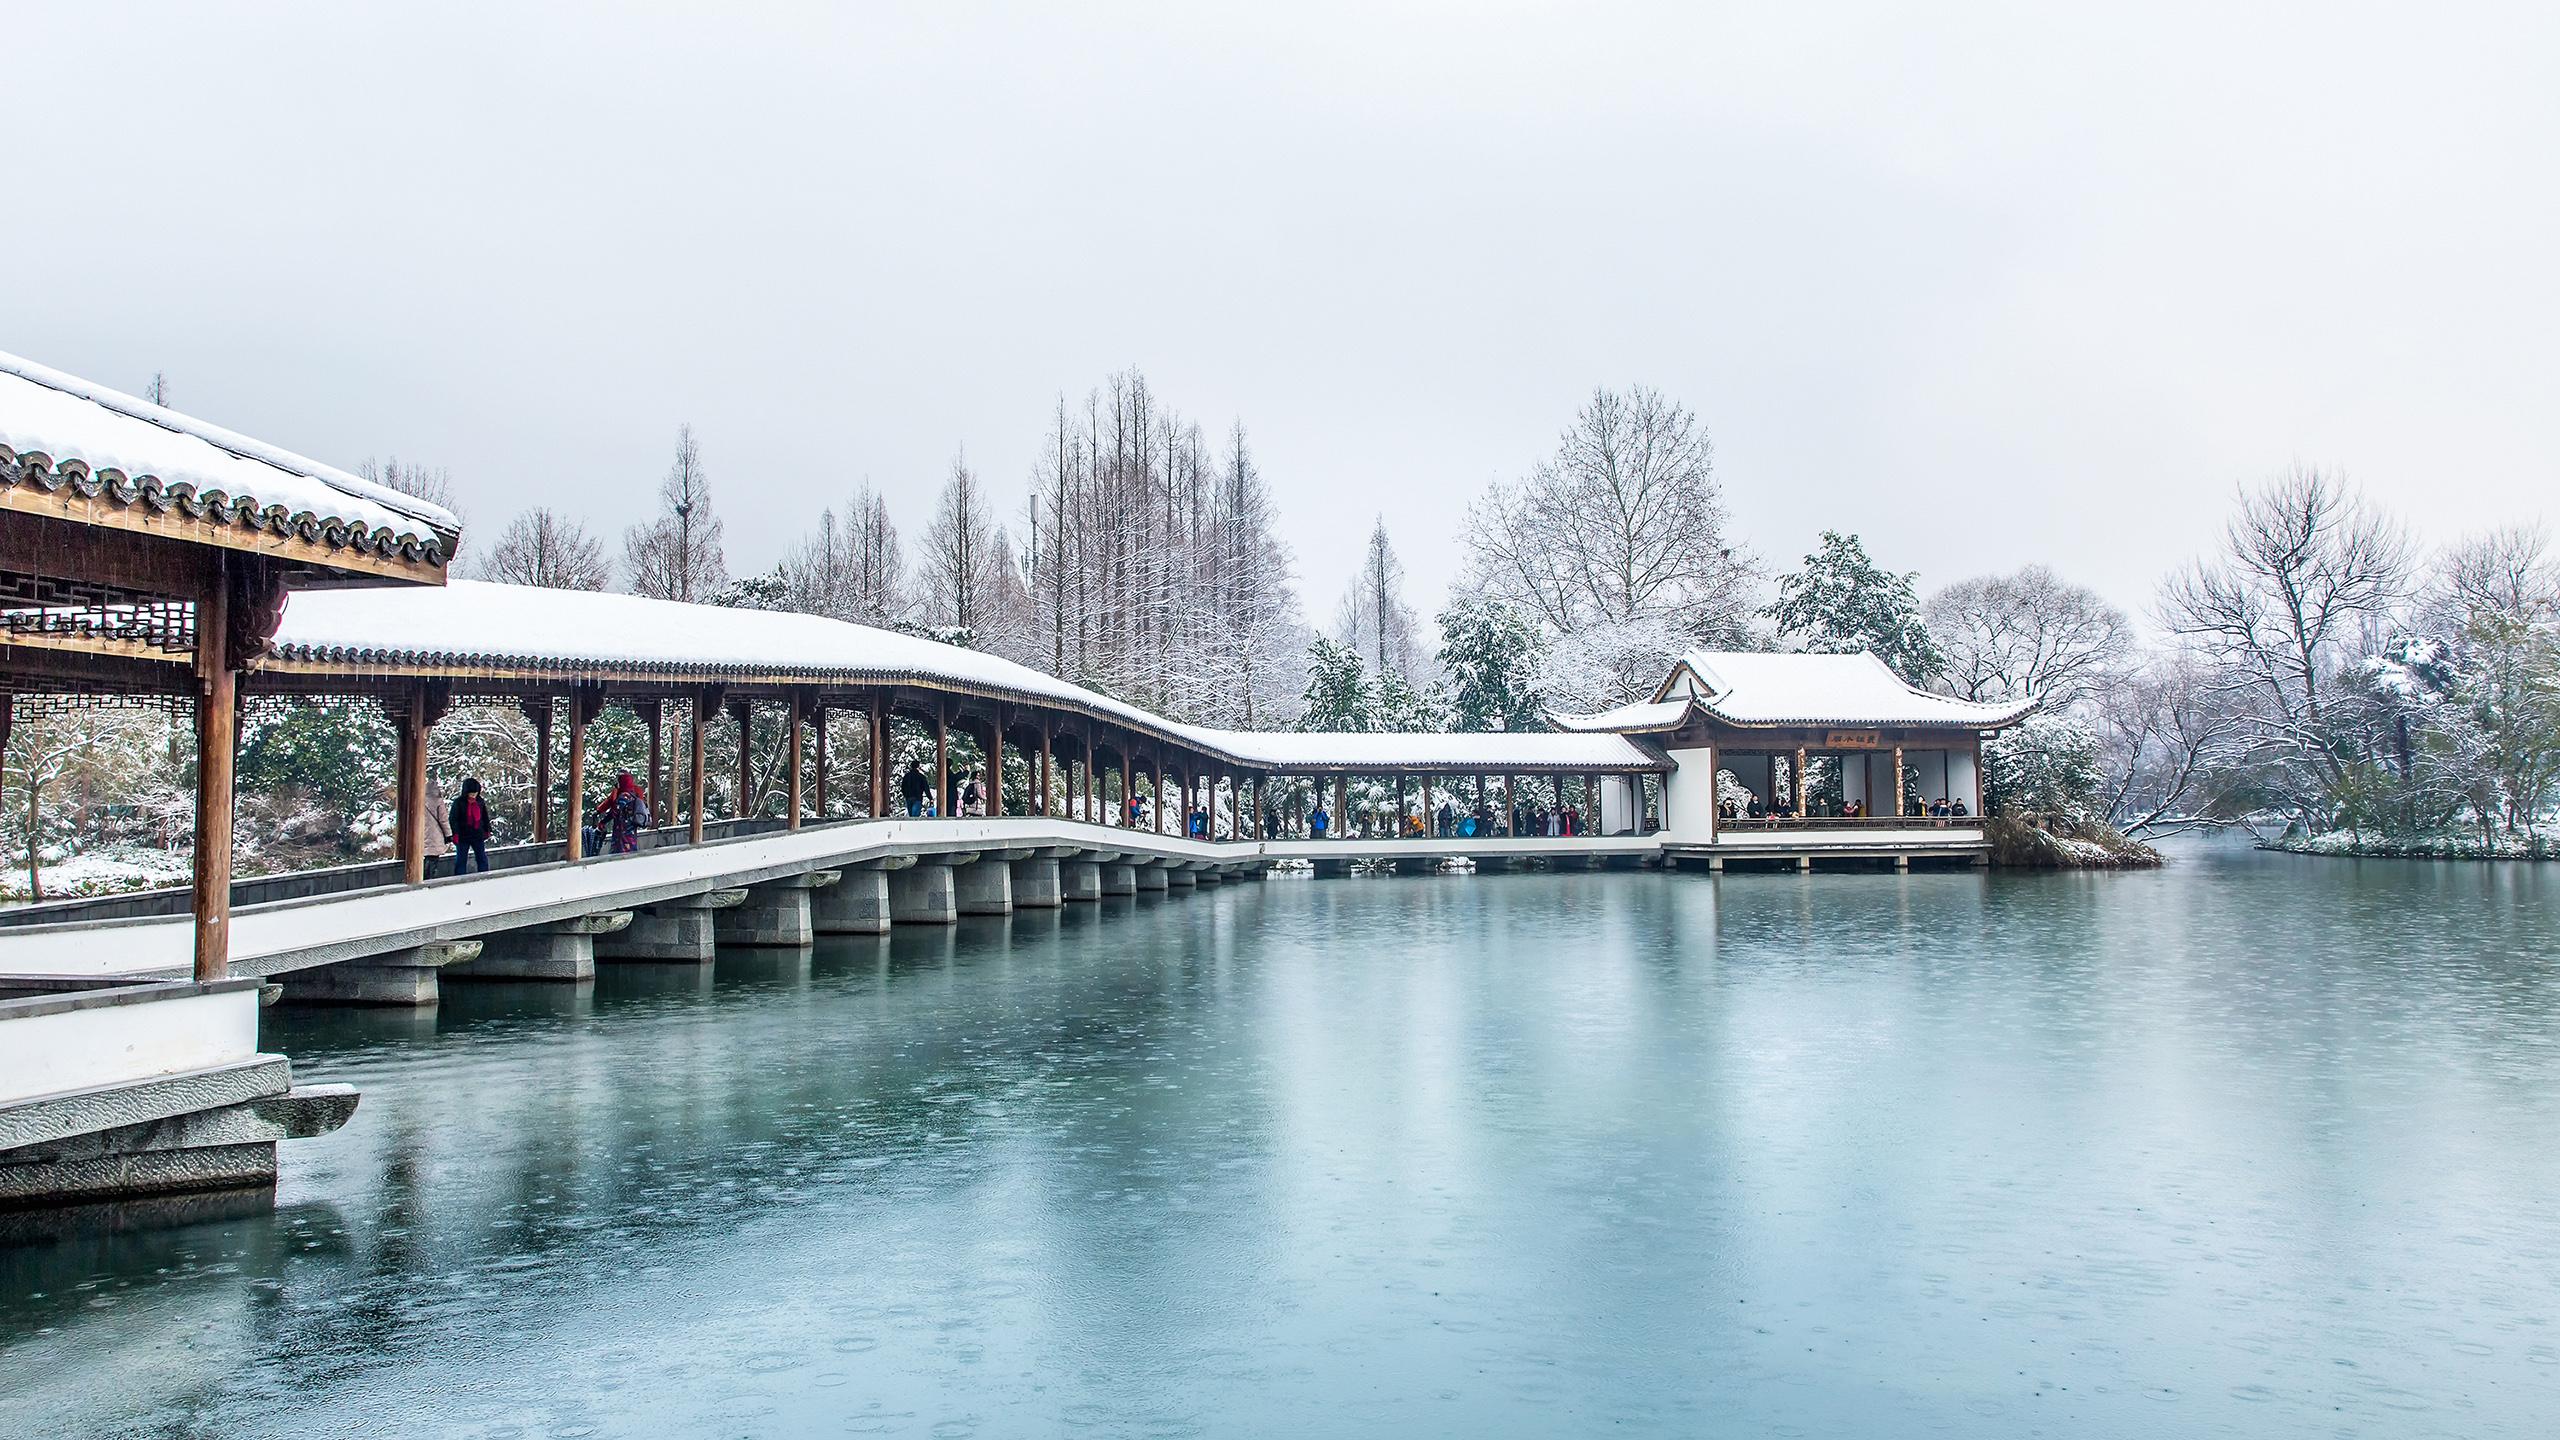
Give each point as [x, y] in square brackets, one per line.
[2013, 284]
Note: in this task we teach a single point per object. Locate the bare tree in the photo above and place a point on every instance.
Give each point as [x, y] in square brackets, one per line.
[2031, 633]
[677, 556]
[431, 483]
[2166, 734]
[1374, 618]
[158, 390]
[1621, 532]
[543, 547]
[2306, 567]
[959, 551]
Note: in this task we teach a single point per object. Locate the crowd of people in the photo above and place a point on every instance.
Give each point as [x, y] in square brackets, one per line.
[1755, 808]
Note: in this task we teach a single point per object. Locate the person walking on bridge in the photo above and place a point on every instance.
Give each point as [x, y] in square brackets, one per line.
[623, 815]
[912, 787]
[469, 824]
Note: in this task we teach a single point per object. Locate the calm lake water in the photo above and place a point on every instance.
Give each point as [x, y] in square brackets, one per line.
[2254, 1146]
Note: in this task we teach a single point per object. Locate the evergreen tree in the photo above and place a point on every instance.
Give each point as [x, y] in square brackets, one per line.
[1338, 695]
[1841, 602]
[1492, 655]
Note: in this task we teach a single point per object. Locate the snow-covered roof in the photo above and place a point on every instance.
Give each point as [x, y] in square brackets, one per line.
[476, 625]
[1638, 718]
[58, 430]
[1752, 688]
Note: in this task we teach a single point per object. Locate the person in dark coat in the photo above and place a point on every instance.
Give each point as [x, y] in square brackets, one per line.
[469, 820]
[913, 787]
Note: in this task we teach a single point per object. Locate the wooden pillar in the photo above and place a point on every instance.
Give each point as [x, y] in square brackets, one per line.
[1977, 777]
[819, 729]
[743, 711]
[1092, 783]
[879, 755]
[995, 763]
[217, 703]
[583, 705]
[1161, 774]
[792, 718]
[706, 703]
[1430, 821]
[941, 756]
[1341, 804]
[537, 708]
[654, 712]
[1048, 802]
[1897, 782]
[1803, 801]
[411, 726]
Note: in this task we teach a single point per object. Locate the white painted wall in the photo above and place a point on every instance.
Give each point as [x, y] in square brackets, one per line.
[1960, 779]
[110, 1044]
[1689, 804]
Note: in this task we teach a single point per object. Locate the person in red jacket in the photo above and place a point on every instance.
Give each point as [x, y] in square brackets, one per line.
[469, 822]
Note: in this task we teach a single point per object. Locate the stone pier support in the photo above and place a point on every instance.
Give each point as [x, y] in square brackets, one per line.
[1079, 880]
[1151, 879]
[671, 932]
[1178, 876]
[1212, 875]
[562, 950]
[1036, 884]
[985, 888]
[403, 977]
[1251, 873]
[1331, 869]
[858, 903]
[774, 913]
[925, 894]
[1117, 878]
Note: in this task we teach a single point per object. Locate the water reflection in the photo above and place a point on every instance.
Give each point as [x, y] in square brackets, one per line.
[2253, 1145]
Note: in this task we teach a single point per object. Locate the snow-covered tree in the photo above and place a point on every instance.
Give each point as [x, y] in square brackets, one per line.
[2047, 764]
[2028, 633]
[1620, 536]
[1841, 602]
[1374, 618]
[1491, 656]
[2307, 569]
[677, 554]
[1339, 696]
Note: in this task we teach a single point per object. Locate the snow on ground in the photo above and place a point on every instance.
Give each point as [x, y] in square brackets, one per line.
[108, 870]
[2440, 845]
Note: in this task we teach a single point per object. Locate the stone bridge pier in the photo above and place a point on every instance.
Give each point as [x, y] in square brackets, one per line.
[403, 977]
[925, 894]
[561, 950]
[775, 912]
[680, 931]
[858, 903]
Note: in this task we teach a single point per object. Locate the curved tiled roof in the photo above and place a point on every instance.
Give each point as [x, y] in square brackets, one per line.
[60, 432]
[470, 625]
[1750, 688]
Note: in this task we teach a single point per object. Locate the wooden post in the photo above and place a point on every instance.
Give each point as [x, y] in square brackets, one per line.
[941, 756]
[579, 715]
[217, 704]
[1803, 801]
[820, 729]
[1897, 782]
[706, 703]
[1341, 804]
[414, 820]
[1430, 820]
[1162, 772]
[879, 755]
[1977, 778]
[792, 717]
[743, 711]
[995, 763]
[654, 712]
[1048, 805]
[537, 708]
